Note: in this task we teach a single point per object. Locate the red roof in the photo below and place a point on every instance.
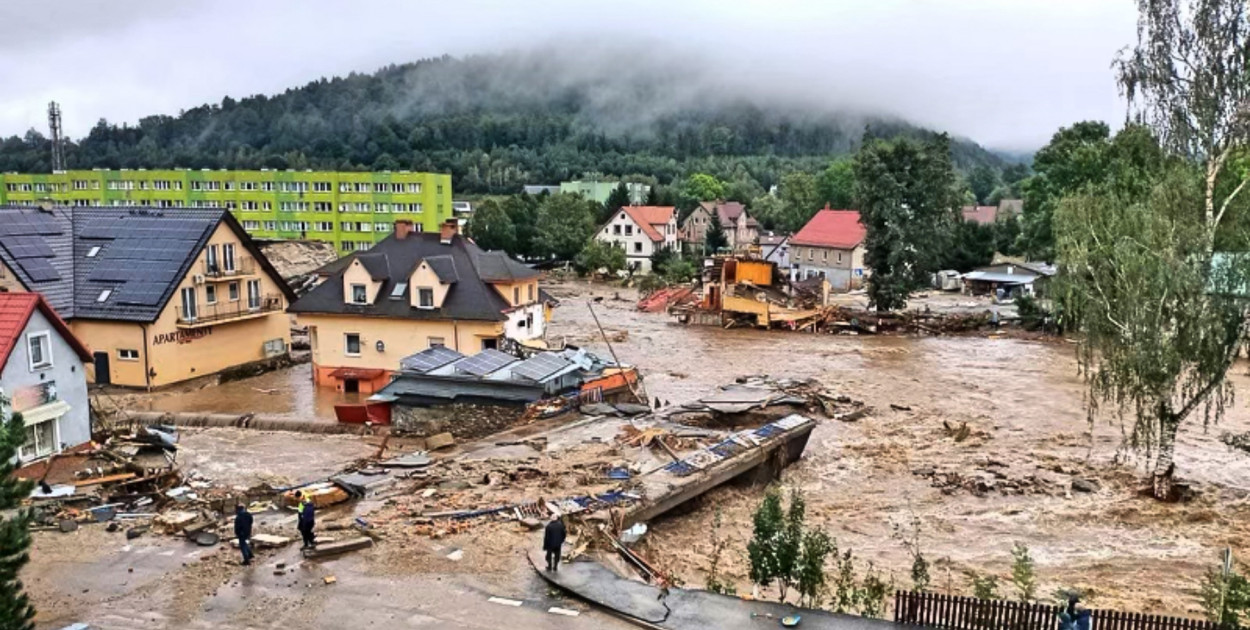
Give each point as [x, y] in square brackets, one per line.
[837, 229]
[15, 311]
[647, 217]
[984, 215]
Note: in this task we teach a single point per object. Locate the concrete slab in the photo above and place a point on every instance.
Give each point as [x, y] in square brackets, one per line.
[342, 546]
[593, 582]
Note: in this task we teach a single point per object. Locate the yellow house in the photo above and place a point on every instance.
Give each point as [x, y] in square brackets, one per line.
[159, 295]
[410, 292]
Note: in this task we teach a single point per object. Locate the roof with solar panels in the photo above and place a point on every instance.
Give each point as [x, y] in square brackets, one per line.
[440, 373]
[111, 263]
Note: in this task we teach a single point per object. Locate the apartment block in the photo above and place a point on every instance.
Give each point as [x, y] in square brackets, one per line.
[352, 210]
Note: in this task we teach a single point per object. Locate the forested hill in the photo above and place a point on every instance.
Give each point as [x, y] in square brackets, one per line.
[495, 122]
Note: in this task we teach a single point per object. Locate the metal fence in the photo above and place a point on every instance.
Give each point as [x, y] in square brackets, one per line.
[934, 610]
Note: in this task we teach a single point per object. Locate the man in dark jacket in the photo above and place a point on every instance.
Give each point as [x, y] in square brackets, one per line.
[243, 531]
[307, 521]
[553, 540]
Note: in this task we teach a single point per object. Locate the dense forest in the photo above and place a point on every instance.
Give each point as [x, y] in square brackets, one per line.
[494, 122]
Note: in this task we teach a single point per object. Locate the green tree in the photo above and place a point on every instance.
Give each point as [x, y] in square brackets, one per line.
[1075, 157]
[680, 271]
[16, 613]
[714, 582]
[800, 200]
[618, 198]
[1023, 572]
[522, 210]
[491, 227]
[983, 586]
[715, 238]
[810, 578]
[836, 184]
[981, 181]
[565, 223]
[653, 196]
[704, 187]
[908, 200]
[661, 259]
[790, 544]
[769, 211]
[1226, 597]
[598, 255]
[1162, 316]
[762, 555]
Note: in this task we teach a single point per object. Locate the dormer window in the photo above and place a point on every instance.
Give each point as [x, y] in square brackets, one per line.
[425, 298]
[398, 291]
[360, 295]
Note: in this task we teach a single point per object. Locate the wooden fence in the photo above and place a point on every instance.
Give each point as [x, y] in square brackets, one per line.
[968, 613]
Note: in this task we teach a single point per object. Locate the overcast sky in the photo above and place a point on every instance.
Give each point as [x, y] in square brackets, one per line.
[1006, 73]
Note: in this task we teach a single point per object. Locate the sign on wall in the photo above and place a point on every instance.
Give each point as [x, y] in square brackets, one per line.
[181, 336]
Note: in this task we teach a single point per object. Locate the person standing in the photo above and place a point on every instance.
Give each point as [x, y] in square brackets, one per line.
[307, 521]
[243, 532]
[553, 540]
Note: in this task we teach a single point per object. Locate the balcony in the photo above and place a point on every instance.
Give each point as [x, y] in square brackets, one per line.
[217, 270]
[225, 312]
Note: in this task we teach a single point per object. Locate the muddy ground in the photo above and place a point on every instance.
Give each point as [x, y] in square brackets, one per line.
[1029, 439]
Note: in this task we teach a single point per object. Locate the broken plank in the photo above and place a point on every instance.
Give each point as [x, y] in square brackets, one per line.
[108, 479]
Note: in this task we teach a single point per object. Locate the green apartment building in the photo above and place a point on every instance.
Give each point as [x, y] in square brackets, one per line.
[351, 210]
[600, 190]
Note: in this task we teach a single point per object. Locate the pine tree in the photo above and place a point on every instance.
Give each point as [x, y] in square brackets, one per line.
[16, 612]
[715, 239]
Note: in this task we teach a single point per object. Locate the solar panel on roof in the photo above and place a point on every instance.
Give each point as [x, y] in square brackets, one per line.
[39, 269]
[430, 359]
[485, 362]
[540, 366]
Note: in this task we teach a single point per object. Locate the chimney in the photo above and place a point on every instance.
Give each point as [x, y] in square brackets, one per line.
[403, 229]
[448, 229]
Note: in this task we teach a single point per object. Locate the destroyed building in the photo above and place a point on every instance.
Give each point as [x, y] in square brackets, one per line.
[440, 389]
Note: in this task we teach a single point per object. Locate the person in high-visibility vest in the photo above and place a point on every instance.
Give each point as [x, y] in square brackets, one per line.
[307, 520]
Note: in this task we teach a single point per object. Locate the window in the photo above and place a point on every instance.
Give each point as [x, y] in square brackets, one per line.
[811, 254]
[232, 290]
[80, 184]
[382, 207]
[210, 294]
[839, 256]
[362, 207]
[40, 346]
[210, 257]
[41, 440]
[127, 355]
[490, 344]
[414, 188]
[531, 292]
[398, 291]
[322, 206]
[361, 188]
[104, 295]
[249, 205]
[616, 229]
[438, 189]
[229, 185]
[345, 187]
[516, 295]
[425, 298]
[638, 247]
[824, 256]
[413, 207]
[348, 226]
[352, 344]
[266, 186]
[188, 304]
[247, 186]
[94, 250]
[253, 294]
[381, 227]
[271, 225]
[359, 294]
[321, 186]
[436, 342]
[323, 226]
[629, 230]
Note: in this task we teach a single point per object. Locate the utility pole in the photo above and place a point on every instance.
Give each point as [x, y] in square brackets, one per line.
[54, 125]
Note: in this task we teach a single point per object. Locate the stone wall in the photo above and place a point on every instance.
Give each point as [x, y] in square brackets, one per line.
[461, 420]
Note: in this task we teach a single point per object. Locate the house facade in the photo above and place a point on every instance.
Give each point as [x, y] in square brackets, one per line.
[641, 231]
[42, 376]
[161, 295]
[411, 292]
[831, 246]
[741, 229]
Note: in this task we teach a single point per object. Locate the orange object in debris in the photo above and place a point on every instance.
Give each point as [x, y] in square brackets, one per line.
[613, 379]
[377, 413]
[661, 299]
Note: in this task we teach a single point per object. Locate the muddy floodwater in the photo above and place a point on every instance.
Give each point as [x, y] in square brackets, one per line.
[1028, 439]
[286, 394]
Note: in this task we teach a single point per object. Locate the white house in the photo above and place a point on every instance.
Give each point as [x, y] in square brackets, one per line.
[641, 231]
[42, 376]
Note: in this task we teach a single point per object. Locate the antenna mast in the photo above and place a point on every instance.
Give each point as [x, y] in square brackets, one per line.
[58, 148]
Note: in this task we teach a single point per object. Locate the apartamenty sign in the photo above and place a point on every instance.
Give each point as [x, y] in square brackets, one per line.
[181, 336]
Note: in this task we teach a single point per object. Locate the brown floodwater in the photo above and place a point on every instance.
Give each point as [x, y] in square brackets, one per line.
[1024, 403]
[287, 394]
